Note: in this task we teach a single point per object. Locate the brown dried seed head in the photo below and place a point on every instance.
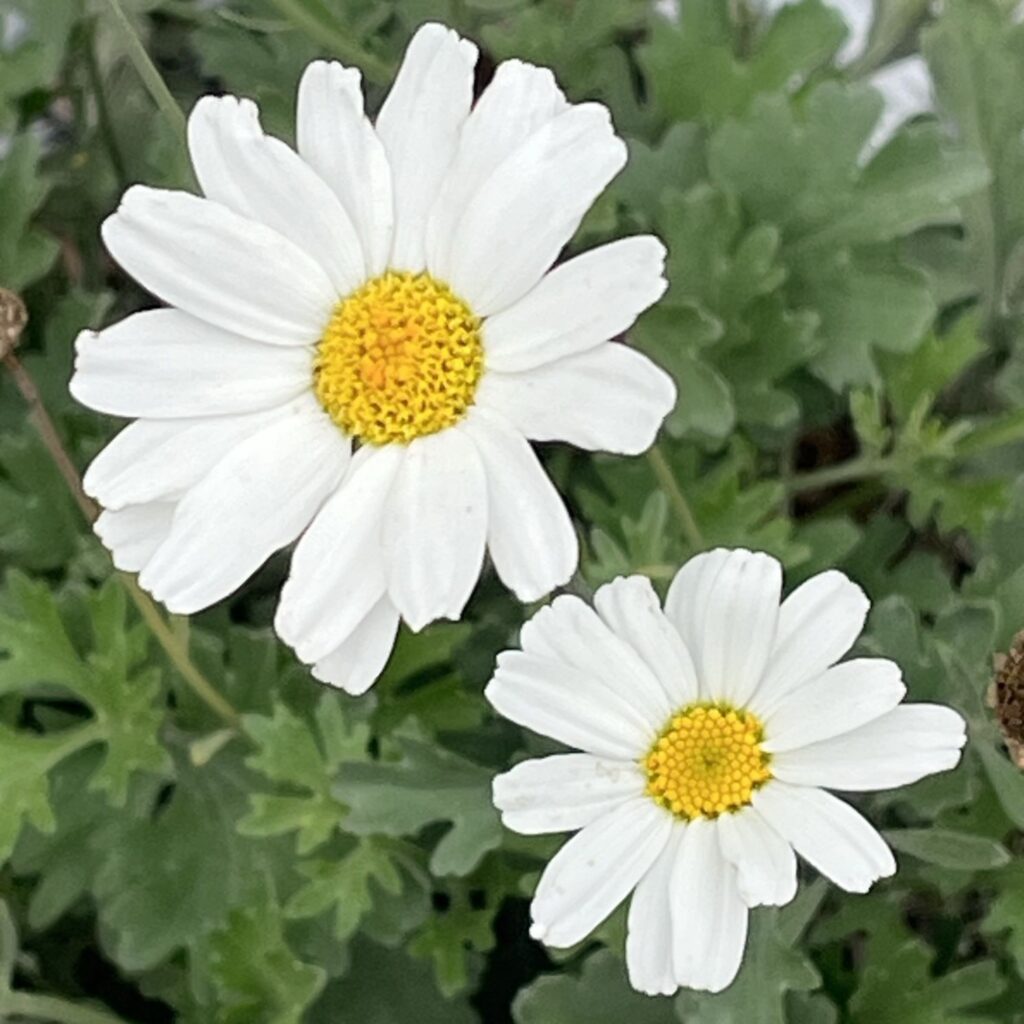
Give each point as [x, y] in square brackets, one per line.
[13, 317]
[1008, 697]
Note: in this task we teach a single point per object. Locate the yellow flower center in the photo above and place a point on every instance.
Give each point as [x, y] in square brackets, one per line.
[400, 358]
[707, 761]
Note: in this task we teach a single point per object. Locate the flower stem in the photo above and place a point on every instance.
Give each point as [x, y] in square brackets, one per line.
[174, 646]
[151, 77]
[663, 471]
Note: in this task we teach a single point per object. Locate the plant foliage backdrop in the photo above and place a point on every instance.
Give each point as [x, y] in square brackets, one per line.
[192, 830]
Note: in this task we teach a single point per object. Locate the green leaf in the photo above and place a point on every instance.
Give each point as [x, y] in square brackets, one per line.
[39, 523]
[901, 990]
[111, 677]
[599, 995]
[254, 975]
[1007, 781]
[976, 58]
[175, 874]
[24, 781]
[694, 72]
[865, 302]
[386, 986]
[771, 968]
[26, 253]
[427, 784]
[450, 937]
[931, 367]
[345, 884]
[66, 860]
[288, 753]
[948, 849]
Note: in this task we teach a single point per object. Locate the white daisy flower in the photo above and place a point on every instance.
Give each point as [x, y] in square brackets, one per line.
[364, 337]
[710, 733]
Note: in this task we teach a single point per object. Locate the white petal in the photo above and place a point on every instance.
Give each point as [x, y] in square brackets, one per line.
[357, 662]
[818, 623]
[686, 603]
[337, 573]
[563, 792]
[337, 140]
[709, 917]
[435, 527]
[519, 99]
[555, 700]
[726, 605]
[165, 363]
[419, 125]
[570, 631]
[650, 929]
[632, 611]
[578, 305]
[134, 533]
[842, 698]
[262, 179]
[199, 256]
[765, 862]
[904, 745]
[610, 398]
[596, 870]
[828, 833]
[257, 499]
[529, 533]
[521, 217]
[158, 460]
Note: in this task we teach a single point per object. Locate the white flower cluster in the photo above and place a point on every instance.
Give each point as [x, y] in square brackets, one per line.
[361, 339]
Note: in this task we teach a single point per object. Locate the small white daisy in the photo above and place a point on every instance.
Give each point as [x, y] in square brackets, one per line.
[364, 337]
[711, 731]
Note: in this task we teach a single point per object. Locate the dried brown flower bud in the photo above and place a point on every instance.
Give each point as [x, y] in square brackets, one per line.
[13, 317]
[1007, 698]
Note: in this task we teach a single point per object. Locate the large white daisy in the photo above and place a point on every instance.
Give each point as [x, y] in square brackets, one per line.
[364, 337]
[710, 733]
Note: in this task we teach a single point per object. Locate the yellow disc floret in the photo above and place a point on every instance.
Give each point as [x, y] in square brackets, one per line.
[707, 761]
[400, 358]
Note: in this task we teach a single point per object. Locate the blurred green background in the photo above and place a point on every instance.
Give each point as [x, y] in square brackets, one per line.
[841, 187]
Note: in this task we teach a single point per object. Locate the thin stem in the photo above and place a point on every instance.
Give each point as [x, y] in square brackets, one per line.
[177, 652]
[843, 473]
[49, 436]
[663, 471]
[321, 30]
[151, 77]
[49, 1008]
[106, 124]
[174, 646]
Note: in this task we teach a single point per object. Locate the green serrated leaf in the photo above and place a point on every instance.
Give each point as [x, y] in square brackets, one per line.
[288, 753]
[344, 884]
[427, 784]
[254, 975]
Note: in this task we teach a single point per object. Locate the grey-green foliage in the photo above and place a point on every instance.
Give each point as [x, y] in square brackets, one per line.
[844, 327]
